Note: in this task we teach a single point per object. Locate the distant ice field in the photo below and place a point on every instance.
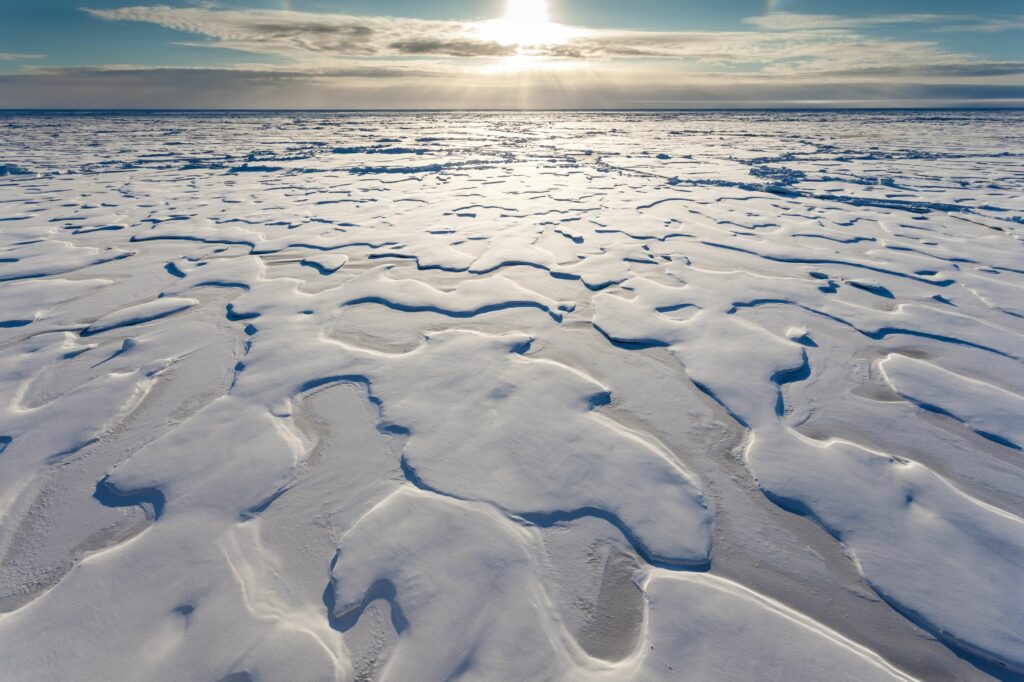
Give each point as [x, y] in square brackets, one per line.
[512, 396]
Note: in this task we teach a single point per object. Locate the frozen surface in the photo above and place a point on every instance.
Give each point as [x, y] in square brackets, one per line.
[512, 396]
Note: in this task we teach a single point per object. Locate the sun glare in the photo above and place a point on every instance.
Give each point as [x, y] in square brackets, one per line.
[525, 23]
[526, 12]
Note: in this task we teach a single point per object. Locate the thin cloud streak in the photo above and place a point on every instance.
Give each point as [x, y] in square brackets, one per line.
[17, 56]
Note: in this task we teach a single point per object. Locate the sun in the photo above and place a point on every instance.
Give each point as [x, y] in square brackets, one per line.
[528, 34]
[524, 14]
[525, 23]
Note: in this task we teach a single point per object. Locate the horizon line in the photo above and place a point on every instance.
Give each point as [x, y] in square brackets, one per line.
[804, 108]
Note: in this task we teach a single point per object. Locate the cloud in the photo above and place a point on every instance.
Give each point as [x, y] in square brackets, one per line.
[944, 71]
[358, 88]
[793, 21]
[937, 23]
[17, 57]
[994, 25]
[311, 36]
[786, 43]
[452, 48]
[829, 56]
[336, 60]
[248, 72]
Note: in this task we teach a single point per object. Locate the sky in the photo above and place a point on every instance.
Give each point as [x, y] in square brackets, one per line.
[509, 54]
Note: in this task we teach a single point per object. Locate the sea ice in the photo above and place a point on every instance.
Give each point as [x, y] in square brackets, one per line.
[528, 396]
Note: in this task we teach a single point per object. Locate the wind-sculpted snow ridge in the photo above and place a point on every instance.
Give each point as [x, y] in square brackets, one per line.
[512, 396]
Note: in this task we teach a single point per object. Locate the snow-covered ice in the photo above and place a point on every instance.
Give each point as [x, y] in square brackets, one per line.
[512, 396]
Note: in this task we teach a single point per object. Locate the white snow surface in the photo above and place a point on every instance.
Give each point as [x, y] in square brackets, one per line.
[512, 396]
